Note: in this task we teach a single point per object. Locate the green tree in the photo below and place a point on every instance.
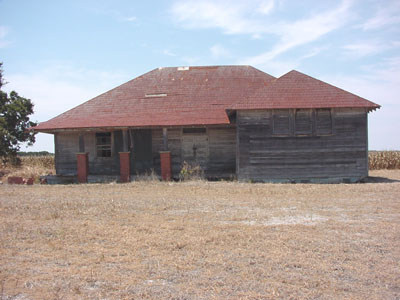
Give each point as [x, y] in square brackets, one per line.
[14, 122]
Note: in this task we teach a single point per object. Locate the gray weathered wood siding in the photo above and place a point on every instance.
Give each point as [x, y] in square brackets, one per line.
[269, 154]
[222, 152]
[67, 145]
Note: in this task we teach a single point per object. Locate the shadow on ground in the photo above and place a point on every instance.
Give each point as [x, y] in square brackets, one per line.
[373, 179]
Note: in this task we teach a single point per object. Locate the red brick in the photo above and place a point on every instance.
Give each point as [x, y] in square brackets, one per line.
[125, 166]
[165, 160]
[15, 180]
[29, 181]
[82, 160]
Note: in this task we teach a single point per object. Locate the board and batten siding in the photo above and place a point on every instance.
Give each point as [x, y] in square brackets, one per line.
[316, 152]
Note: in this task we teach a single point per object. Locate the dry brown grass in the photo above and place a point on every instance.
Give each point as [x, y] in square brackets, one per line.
[31, 166]
[379, 160]
[201, 240]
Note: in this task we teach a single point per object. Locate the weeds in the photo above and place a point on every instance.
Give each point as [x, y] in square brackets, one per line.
[191, 172]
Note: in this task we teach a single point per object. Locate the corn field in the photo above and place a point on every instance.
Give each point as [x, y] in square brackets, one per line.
[384, 160]
[45, 161]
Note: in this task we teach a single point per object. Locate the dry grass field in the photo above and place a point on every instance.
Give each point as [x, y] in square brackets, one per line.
[201, 240]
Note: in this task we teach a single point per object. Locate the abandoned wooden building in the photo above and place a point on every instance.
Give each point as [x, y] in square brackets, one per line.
[232, 121]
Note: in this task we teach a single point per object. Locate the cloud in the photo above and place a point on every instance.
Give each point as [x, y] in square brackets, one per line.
[230, 17]
[218, 51]
[389, 14]
[3, 32]
[129, 19]
[249, 18]
[364, 48]
[266, 7]
[303, 31]
[168, 52]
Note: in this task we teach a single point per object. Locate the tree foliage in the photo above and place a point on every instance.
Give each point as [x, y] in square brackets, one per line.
[14, 122]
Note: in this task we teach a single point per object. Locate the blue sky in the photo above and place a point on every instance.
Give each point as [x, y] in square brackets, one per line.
[62, 53]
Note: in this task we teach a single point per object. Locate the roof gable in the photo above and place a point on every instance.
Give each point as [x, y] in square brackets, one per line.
[297, 90]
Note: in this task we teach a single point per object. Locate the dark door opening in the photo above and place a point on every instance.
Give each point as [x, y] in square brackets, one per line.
[141, 154]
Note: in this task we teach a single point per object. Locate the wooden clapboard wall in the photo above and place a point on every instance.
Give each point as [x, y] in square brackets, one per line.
[271, 147]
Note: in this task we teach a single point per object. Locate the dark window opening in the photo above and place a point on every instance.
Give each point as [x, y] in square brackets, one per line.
[303, 122]
[103, 144]
[194, 130]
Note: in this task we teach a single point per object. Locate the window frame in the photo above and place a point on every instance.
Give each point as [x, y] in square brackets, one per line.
[105, 146]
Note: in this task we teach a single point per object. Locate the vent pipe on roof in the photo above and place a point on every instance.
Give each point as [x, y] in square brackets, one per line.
[183, 68]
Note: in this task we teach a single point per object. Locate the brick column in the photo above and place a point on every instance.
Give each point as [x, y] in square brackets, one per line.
[124, 166]
[165, 158]
[82, 160]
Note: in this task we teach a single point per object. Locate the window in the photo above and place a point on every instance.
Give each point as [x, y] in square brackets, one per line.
[323, 121]
[103, 144]
[194, 130]
[303, 122]
[281, 122]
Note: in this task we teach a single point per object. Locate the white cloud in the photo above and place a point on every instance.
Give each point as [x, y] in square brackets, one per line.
[313, 52]
[218, 51]
[266, 7]
[364, 48]
[168, 52]
[129, 19]
[230, 17]
[303, 31]
[388, 14]
[240, 18]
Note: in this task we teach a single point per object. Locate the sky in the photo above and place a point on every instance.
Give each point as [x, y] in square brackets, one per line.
[62, 53]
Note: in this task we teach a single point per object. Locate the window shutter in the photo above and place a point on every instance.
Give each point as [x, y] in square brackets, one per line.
[281, 120]
[323, 122]
[303, 121]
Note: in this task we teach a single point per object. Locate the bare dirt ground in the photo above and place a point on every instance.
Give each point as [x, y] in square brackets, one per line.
[201, 240]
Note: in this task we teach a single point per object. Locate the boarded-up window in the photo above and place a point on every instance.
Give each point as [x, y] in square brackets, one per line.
[323, 121]
[103, 144]
[281, 122]
[303, 122]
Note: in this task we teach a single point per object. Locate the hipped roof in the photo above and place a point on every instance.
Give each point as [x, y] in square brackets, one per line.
[200, 96]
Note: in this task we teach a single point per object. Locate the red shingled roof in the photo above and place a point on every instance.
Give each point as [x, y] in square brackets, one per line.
[297, 90]
[200, 96]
